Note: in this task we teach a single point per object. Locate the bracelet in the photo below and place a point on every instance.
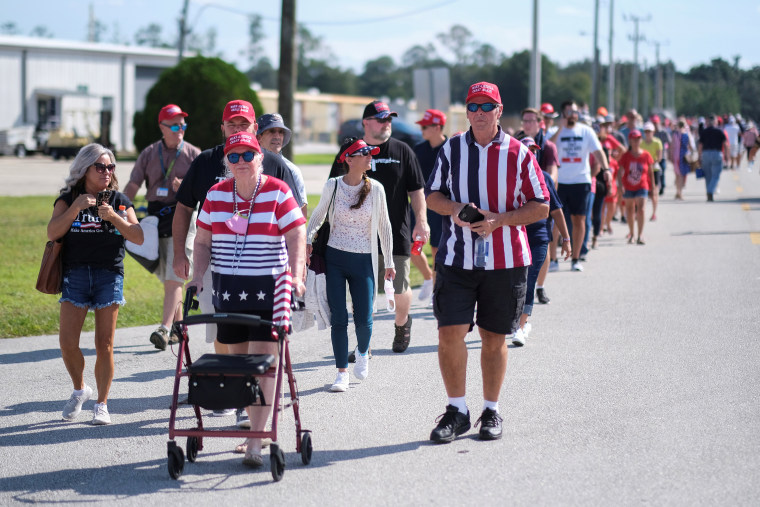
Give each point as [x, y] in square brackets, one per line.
[565, 240]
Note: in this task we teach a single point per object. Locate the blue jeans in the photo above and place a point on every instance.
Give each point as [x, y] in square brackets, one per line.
[356, 269]
[589, 224]
[712, 165]
[93, 288]
[538, 253]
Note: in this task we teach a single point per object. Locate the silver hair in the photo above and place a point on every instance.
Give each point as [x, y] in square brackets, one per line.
[228, 173]
[86, 157]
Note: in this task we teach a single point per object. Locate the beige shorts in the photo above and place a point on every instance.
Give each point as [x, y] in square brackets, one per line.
[165, 270]
[403, 268]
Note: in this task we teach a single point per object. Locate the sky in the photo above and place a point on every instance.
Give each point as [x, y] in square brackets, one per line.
[690, 32]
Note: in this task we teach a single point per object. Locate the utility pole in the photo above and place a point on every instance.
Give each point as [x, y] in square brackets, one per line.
[182, 31]
[535, 63]
[645, 98]
[91, 25]
[286, 76]
[670, 101]
[595, 67]
[658, 102]
[636, 38]
[611, 68]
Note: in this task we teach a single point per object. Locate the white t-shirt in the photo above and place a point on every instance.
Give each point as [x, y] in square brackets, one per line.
[574, 145]
[732, 131]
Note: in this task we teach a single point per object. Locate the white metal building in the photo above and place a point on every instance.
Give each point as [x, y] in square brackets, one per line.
[35, 74]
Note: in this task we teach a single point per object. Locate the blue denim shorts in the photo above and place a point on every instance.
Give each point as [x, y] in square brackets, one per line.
[632, 194]
[92, 288]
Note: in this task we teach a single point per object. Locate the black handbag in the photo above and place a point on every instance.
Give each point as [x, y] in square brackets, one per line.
[165, 214]
[319, 242]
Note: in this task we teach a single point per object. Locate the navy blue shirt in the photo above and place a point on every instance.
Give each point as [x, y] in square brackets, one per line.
[712, 138]
[541, 231]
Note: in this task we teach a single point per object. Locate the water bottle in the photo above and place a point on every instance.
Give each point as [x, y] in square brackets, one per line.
[389, 292]
[417, 246]
[123, 214]
[481, 252]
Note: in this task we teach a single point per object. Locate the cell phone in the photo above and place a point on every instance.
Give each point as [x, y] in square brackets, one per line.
[104, 197]
[470, 214]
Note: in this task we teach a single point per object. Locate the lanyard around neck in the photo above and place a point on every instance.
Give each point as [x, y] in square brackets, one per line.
[167, 172]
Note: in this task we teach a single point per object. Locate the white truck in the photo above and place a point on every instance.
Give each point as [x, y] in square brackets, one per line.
[19, 141]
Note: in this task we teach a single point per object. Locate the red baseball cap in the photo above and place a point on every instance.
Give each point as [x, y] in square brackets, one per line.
[548, 110]
[169, 112]
[432, 117]
[483, 89]
[241, 139]
[655, 119]
[239, 108]
[602, 111]
[634, 134]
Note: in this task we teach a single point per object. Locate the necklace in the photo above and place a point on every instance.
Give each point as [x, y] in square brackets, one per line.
[239, 252]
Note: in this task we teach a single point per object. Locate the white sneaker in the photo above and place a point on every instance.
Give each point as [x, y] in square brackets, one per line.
[526, 329]
[242, 419]
[361, 368]
[341, 381]
[518, 338]
[426, 290]
[553, 266]
[223, 413]
[72, 407]
[100, 414]
[576, 266]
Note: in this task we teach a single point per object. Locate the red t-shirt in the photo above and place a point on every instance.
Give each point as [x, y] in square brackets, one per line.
[635, 171]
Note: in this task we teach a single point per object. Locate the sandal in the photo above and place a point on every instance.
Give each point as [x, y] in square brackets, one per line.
[403, 335]
[242, 448]
[253, 460]
[640, 242]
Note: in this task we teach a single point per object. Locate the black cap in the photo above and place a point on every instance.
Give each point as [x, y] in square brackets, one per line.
[378, 109]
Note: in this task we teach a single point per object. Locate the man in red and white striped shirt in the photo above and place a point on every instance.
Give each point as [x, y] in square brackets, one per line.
[481, 260]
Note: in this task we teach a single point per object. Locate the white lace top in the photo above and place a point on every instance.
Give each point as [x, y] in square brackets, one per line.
[351, 230]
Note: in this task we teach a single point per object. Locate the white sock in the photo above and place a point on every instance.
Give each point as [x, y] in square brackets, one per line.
[539, 287]
[459, 403]
[493, 405]
[164, 328]
[78, 392]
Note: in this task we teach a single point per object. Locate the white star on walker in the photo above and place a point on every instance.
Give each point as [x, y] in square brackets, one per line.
[226, 296]
[243, 296]
[261, 295]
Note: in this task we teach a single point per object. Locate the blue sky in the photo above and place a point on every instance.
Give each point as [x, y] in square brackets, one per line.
[691, 31]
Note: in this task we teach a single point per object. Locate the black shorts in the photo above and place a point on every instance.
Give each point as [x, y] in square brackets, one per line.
[574, 197]
[657, 178]
[236, 333]
[499, 295]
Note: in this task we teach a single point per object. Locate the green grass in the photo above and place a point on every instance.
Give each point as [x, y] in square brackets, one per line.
[315, 158]
[26, 312]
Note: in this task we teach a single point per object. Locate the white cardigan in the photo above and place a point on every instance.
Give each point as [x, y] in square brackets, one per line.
[381, 223]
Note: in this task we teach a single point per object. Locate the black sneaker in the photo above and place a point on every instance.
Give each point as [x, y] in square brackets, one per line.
[352, 355]
[450, 425]
[490, 425]
[403, 335]
[542, 297]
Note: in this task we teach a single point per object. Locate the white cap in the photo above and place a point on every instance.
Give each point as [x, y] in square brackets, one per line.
[649, 126]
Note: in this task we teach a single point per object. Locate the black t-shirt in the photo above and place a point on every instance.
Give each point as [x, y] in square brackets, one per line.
[397, 168]
[208, 169]
[712, 138]
[426, 156]
[92, 242]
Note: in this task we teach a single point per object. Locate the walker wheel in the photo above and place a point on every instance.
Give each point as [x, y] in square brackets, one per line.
[192, 449]
[277, 462]
[306, 448]
[176, 462]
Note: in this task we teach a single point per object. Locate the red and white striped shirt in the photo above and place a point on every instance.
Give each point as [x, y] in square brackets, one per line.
[244, 267]
[499, 177]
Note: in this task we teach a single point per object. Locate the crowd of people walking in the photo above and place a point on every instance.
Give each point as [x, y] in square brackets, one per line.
[499, 209]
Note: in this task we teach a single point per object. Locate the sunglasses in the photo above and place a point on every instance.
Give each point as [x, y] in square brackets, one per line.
[487, 107]
[384, 120]
[361, 152]
[176, 128]
[234, 158]
[103, 168]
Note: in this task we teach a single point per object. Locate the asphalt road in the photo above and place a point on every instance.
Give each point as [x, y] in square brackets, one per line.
[639, 385]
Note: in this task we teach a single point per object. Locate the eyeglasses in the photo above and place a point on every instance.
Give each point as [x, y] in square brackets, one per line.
[487, 107]
[234, 158]
[361, 152]
[384, 120]
[529, 120]
[176, 128]
[103, 168]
